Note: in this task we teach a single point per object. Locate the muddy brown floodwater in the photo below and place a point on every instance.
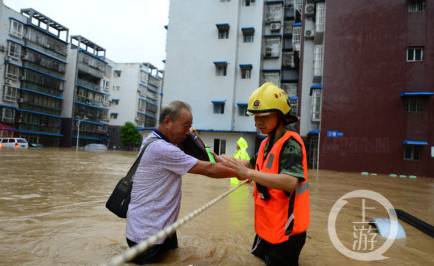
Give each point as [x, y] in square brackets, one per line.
[52, 213]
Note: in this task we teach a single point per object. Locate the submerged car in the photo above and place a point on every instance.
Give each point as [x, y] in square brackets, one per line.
[13, 143]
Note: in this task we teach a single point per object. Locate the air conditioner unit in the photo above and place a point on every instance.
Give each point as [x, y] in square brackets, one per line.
[2, 48]
[309, 9]
[20, 100]
[309, 33]
[275, 26]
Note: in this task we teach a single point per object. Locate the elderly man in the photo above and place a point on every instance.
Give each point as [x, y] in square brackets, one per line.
[156, 192]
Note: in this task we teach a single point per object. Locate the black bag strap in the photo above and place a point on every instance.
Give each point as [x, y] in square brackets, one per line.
[133, 168]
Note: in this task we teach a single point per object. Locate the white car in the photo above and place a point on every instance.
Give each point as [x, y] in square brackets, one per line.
[13, 143]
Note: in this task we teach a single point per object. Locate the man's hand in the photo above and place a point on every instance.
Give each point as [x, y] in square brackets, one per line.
[239, 166]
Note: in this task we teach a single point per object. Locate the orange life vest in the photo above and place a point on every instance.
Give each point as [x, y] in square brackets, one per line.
[282, 215]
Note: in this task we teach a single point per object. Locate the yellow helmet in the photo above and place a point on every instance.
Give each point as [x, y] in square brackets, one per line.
[269, 98]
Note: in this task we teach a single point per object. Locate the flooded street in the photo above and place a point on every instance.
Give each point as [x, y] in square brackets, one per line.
[52, 213]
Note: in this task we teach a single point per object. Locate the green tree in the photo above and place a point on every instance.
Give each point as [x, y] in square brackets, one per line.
[130, 136]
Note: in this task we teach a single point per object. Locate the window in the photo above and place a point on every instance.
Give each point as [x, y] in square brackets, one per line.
[320, 17]
[10, 94]
[414, 54]
[414, 104]
[223, 34]
[115, 101]
[242, 110]
[219, 146]
[223, 31]
[316, 105]
[8, 115]
[218, 107]
[248, 37]
[12, 72]
[248, 2]
[113, 115]
[14, 50]
[220, 68]
[16, 29]
[272, 48]
[317, 63]
[412, 152]
[246, 73]
[415, 6]
[117, 73]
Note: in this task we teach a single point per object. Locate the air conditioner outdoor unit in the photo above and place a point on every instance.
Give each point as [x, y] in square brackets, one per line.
[2, 48]
[20, 100]
[308, 34]
[309, 9]
[275, 26]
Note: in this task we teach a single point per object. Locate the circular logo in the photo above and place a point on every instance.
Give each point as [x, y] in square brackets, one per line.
[376, 254]
[256, 103]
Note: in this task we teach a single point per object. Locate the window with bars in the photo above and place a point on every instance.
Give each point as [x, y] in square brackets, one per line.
[242, 110]
[316, 105]
[414, 54]
[317, 60]
[414, 104]
[8, 115]
[320, 17]
[416, 6]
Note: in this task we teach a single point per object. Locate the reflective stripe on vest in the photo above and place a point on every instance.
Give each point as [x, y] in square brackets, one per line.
[280, 217]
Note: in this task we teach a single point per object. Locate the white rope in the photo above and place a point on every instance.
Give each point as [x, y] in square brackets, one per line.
[132, 252]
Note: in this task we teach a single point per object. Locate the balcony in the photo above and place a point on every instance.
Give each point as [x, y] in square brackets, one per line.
[34, 46]
[89, 86]
[91, 103]
[43, 71]
[90, 70]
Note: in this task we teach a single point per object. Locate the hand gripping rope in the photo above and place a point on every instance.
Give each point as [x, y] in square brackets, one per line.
[132, 252]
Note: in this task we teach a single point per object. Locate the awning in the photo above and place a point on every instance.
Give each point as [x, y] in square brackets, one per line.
[224, 26]
[316, 86]
[218, 101]
[242, 104]
[417, 93]
[414, 142]
[313, 132]
[248, 31]
[296, 24]
[6, 127]
[293, 99]
[220, 63]
[246, 66]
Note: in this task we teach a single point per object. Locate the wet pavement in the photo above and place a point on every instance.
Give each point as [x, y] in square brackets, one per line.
[52, 213]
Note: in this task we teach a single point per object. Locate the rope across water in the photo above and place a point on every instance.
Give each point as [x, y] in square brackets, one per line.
[132, 252]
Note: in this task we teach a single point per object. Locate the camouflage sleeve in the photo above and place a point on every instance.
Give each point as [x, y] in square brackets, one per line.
[291, 159]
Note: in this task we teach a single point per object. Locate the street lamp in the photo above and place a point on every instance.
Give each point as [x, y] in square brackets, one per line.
[78, 130]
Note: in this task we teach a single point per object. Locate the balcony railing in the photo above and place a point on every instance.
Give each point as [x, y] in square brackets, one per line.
[90, 86]
[44, 50]
[92, 71]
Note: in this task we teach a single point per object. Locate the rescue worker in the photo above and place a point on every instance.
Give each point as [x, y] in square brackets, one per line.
[240, 154]
[281, 191]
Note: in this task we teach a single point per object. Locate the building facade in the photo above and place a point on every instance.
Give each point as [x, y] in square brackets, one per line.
[86, 108]
[377, 87]
[221, 52]
[33, 52]
[135, 97]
